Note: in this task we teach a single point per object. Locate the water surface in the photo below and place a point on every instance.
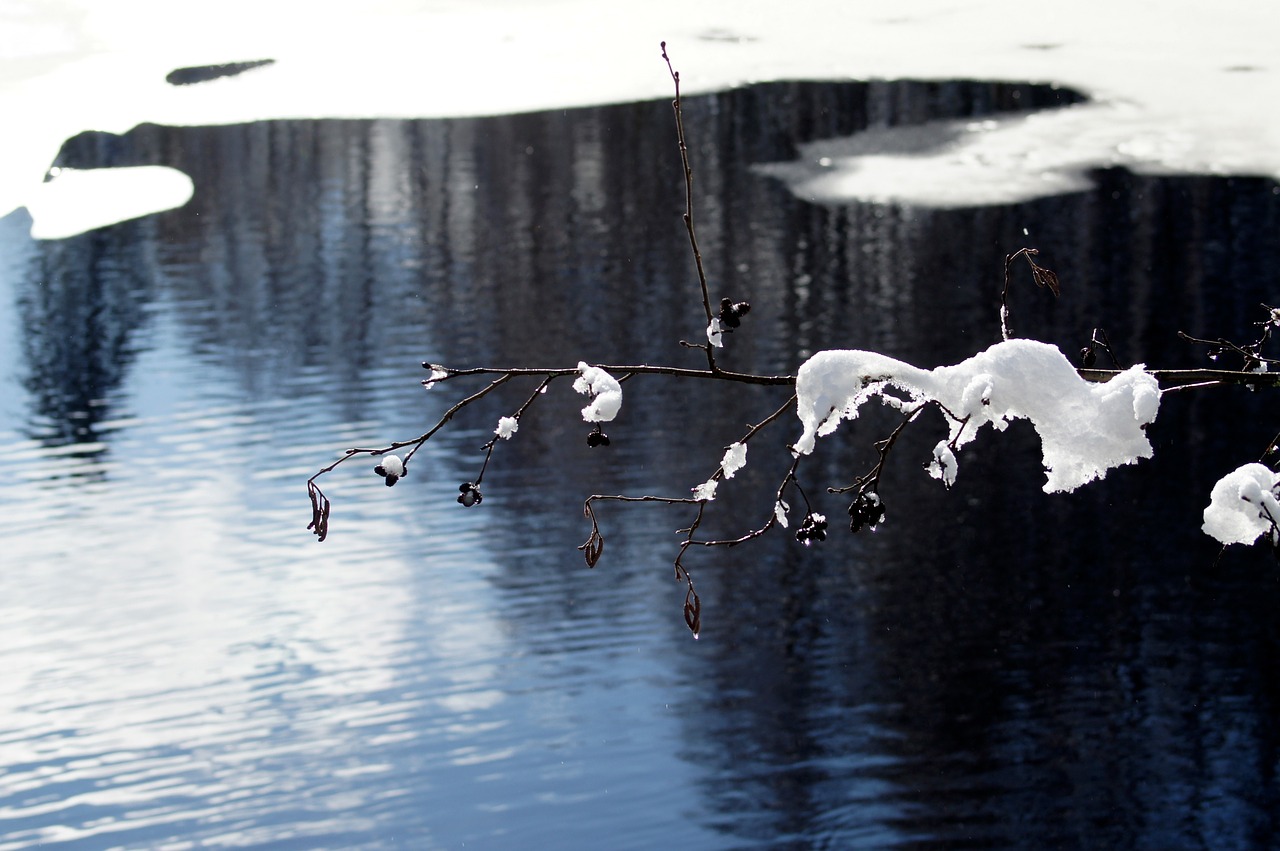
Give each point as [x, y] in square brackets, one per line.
[996, 668]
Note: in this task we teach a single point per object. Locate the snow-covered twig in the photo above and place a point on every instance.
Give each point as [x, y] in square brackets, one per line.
[1089, 420]
[734, 459]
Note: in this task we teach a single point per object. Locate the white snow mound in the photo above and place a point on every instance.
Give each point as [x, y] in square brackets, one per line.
[1085, 428]
[605, 390]
[1242, 505]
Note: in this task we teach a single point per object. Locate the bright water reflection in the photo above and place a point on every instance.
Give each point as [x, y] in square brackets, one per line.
[184, 665]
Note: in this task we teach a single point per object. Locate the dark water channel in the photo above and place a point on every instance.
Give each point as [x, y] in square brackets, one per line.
[183, 665]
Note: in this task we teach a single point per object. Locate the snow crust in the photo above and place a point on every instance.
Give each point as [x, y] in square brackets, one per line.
[1243, 505]
[605, 390]
[1085, 429]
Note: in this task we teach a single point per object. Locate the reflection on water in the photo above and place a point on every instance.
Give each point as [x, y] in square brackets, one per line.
[995, 668]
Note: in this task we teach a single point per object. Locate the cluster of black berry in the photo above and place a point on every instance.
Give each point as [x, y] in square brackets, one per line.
[814, 528]
[597, 438]
[731, 313]
[469, 494]
[867, 510]
[391, 469]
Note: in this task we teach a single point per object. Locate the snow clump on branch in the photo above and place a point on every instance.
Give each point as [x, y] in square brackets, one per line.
[715, 334]
[605, 390]
[735, 458]
[1243, 505]
[1085, 429]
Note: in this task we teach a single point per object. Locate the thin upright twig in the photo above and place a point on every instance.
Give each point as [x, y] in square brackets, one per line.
[676, 106]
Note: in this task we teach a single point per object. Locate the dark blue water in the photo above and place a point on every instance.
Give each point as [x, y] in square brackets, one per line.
[184, 665]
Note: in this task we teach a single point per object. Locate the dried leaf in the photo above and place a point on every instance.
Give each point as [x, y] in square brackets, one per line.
[693, 612]
[593, 548]
[319, 511]
[1046, 278]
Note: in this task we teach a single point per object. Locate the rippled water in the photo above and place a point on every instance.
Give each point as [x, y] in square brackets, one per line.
[183, 665]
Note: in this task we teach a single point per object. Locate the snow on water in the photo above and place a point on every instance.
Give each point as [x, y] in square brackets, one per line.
[77, 200]
[954, 163]
[1007, 160]
[1188, 89]
[1243, 505]
[1085, 428]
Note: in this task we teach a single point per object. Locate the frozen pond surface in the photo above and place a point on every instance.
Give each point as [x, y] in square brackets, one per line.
[183, 663]
[1183, 91]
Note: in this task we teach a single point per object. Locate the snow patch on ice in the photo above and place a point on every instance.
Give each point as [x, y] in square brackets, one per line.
[74, 201]
[1086, 429]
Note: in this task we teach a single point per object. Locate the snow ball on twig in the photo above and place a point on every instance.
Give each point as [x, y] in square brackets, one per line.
[391, 469]
[437, 374]
[605, 389]
[706, 490]
[507, 426]
[735, 458]
[715, 334]
[1243, 505]
[944, 466]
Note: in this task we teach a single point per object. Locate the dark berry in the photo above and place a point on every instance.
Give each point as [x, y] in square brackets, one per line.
[866, 510]
[731, 314]
[597, 438]
[469, 495]
[814, 528]
[1087, 357]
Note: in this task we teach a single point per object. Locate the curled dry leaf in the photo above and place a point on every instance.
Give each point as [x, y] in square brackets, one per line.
[319, 511]
[593, 548]
[693, 612]
[1046, 278]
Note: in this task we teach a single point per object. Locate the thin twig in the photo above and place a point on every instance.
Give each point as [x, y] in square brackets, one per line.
[1042, 276]
[716, 374]
[688, 206]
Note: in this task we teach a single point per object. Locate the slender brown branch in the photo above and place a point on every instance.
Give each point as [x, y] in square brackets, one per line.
[754, 533]
[676, 106]
[320, 504]
[716, 374]
[493, 441]
[593, 547]
[1173, 379]
[1042, 276]
[1249, 353]
[884, 447]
